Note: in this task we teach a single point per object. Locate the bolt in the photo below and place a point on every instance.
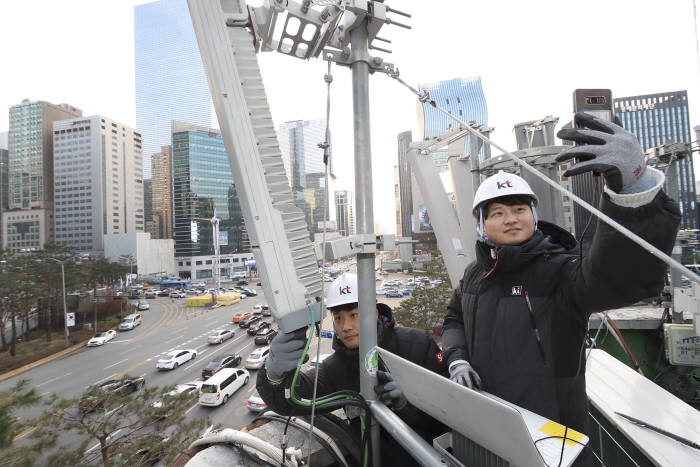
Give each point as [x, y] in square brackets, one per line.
[377, 61]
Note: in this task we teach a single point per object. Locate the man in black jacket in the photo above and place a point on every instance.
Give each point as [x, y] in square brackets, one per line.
[516, 324]
[340, 371]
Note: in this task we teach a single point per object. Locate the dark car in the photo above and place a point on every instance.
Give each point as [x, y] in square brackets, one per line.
[220, 362]
[96, 395]
[250, 292]
[257, 327]
[246, 322]
[265, 336]
[242, 282]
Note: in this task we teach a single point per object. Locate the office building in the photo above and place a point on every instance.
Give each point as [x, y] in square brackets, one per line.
[303, 162]
[148, 207]
[661, 119]
[162, 189]
[461, 97]
[28, 223]
[405, 186]
[3, 139]
[4, 157]
[345, 212]
[170, 80]
[202, 187]
[98, 182]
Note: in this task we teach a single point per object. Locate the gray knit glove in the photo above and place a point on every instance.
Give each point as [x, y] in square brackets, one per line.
[607, 149]
[285, 352]
[462, 372]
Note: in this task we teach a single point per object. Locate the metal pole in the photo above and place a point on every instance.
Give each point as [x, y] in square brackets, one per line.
[365, 216]
[65, 309]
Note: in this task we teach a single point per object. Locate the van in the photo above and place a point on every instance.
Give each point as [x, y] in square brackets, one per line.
[130, 322]
[218, 389]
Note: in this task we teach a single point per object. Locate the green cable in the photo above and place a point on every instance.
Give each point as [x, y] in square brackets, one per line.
[366, 456]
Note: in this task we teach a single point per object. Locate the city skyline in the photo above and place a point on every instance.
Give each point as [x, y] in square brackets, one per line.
[520, 83]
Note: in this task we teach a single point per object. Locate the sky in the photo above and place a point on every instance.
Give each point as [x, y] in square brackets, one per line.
[530, 56]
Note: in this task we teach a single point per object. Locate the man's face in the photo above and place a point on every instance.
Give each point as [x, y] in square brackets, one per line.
[347, 327]
[508, 225]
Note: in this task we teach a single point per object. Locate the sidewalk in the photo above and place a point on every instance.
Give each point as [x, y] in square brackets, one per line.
[37, 363]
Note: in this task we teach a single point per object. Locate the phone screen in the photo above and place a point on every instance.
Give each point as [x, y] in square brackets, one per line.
[602, 114]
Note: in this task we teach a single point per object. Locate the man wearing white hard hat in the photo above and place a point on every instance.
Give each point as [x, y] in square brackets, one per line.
[340, 371]
[516, 325]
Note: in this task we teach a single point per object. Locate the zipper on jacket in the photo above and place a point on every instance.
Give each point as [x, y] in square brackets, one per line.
[533, 322]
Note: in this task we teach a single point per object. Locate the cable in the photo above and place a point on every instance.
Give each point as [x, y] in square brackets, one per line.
[565, 439]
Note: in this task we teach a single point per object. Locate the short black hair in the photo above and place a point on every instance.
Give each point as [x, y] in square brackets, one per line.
[509, 200]
[344, 307]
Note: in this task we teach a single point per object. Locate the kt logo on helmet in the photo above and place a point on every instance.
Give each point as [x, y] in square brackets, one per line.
[345, 290]
[505, 184]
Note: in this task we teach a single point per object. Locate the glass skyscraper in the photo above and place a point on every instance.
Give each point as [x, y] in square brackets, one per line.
[203, 185]
[170, 80]
[659, 119]
[463, 98]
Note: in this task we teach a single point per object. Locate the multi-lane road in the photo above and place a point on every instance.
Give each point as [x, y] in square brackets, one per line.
[167, 326]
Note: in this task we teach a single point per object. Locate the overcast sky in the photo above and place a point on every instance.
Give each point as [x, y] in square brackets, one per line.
[530, 55]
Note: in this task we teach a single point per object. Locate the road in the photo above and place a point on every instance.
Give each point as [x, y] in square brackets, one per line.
[167, 326]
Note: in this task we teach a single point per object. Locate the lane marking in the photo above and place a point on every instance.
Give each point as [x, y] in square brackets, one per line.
[129, 350]
[98, 444]
[190, 409]
[174, 338]
[53, 379]
[103, 379]
[115, 364]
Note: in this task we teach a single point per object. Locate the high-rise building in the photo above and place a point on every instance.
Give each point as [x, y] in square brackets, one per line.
[162, 186]
[4, 157]
[659, 119]
[405, 182]
[148, 207]
[3, 139]
[29, 223]
[461, 97]
[98, 182]
[345, 212]
[202, 187]
[303, 162]
[170, 80]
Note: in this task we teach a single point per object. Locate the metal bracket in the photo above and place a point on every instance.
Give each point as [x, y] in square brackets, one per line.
[344, 58]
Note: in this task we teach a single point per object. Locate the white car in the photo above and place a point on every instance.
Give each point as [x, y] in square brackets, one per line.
[259, 308]
[220, 335]
[190, 388]
[101, 338]
[143, 305]
[176, 358]
[257, 358]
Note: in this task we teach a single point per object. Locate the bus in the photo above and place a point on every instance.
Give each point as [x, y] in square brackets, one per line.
[175, 284]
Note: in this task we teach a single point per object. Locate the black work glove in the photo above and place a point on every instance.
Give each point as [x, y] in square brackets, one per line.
[389, 391]
[609, 150]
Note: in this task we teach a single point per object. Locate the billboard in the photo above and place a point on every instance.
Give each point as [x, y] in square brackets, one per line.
[424, 219]
[328, 226]
[223, 238]
[249, 263]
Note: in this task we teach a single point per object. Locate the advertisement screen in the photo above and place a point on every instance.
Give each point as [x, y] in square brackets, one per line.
[424, 219]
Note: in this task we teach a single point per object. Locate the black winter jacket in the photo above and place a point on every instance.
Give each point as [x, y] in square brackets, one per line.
[340, 371]
[490, 324]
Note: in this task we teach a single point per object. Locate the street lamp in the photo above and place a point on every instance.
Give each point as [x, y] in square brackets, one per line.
[65, 309]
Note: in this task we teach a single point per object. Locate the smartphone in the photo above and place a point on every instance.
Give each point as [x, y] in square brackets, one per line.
[598, 102]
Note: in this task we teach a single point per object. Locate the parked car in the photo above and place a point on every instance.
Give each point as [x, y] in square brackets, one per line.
[219, 363]
[101, 338]
[393, 293]
[250, 292]
[143, 305]
[265, 336]
[176, 358]
[163, 293]
[151, 294]
[246, 322]
[406, 291]
[218, 389]
[160, 405]
[381, 291]
[118, 386]
[255, 403]
[258, 309]
[257, 358]
[254, 328]
[130, 322]
[220, 335]
[242, 282]
[243, 314]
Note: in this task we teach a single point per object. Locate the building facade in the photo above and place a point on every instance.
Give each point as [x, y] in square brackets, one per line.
[657, 120]
[203, 187]
[303, 162]
[461, 97]
[170, 80]
[148, 207]
[98, 182]
[162, 189]
[29, 223]
[345, 212]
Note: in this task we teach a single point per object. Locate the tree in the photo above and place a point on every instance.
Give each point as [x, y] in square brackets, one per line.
[124, 425]
[427, 305]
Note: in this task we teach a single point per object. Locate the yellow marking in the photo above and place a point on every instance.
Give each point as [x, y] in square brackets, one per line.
[130, 368]
[554, 429]
[23, 434]
[251, 388]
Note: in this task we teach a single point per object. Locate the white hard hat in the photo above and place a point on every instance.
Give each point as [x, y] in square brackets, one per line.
[343, 290]
[501, 184]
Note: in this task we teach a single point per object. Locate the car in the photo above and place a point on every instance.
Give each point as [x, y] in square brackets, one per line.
[151, 294]
[257, 309]
[381, 291]
[259, 284]
[257, 358]
[242, 282]
[254, 328]
[255, 403]
[101, 338]
[143, 305]
[406, 291]
[311, 364]
[95, 395]
[246, 322]
[163, 293]
[199, 284]
[250, 292]
[160, 405]
[219, 388]
[243, 314]
[393, 293]
[220, 335]
[130, 322]
[176, 358]
[265, 336]
[219, 363]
